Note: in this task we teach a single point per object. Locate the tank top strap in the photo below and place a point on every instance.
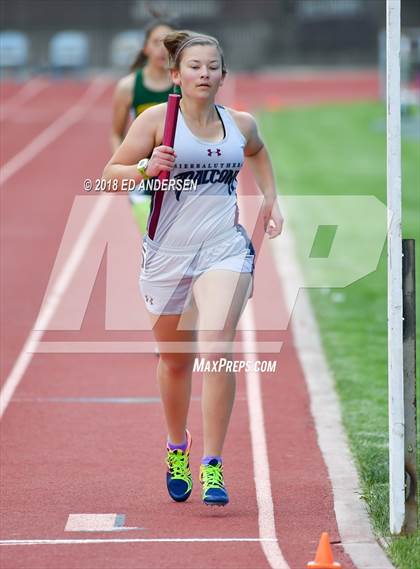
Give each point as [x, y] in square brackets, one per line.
[229, 121]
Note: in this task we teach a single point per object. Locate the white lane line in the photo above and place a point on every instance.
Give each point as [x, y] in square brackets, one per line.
[50, 306]
[129, 347]
[131, 540]
[54, 130]
[29, 90]
[266, 523]
[351, 514]
[100, 400]
[93, 400]
[266, 519]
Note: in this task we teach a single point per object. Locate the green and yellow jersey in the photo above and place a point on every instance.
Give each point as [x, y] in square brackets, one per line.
[143, 98]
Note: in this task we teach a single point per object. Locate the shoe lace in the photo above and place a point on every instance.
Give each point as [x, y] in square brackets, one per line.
[213, 476]
[178, 464]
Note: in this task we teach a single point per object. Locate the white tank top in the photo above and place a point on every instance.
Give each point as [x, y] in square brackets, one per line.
[183, 218]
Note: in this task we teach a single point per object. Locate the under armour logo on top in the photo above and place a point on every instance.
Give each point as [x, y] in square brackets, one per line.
[148, 299]
[217, 151]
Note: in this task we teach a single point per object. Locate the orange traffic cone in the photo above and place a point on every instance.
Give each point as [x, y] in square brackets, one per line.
[324, 557]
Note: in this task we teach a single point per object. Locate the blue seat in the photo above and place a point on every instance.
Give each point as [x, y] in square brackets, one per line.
[14, 49]
[69, 50]
[124, 48]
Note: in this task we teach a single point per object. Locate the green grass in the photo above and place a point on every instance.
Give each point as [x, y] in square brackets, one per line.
[341, 150]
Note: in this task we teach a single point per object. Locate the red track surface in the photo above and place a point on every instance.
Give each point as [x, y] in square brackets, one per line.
[273, 91]
[8, 89]
[60, 458]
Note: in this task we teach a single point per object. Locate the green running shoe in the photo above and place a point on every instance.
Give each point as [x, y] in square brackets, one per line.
[213, 489]
[178, 476]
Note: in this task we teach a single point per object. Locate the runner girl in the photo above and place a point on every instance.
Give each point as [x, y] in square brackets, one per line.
[148, 83]
[197, 260]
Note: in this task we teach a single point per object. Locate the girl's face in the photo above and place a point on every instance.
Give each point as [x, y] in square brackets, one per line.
[200, 72]
[154, 48]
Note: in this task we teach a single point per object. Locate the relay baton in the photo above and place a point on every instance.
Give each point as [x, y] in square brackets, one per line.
[170, 127]
[168, 140]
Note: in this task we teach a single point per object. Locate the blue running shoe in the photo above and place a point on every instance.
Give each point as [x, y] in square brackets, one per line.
[213, 489]
[178, 476]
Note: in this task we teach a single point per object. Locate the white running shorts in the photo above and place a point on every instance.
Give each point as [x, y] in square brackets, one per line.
[168, 273]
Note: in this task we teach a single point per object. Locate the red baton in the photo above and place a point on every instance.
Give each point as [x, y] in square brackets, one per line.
[170, 127]
[168, 140]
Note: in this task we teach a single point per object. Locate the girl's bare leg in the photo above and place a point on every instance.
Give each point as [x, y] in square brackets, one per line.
[174, 374]
[220, 296]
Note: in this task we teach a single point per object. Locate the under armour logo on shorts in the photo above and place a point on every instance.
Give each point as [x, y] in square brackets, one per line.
[217, 151]
[148, 298]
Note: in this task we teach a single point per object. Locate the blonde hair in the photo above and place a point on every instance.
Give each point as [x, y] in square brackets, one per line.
[176, 42]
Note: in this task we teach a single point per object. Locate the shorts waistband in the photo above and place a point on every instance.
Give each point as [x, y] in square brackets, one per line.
[188, 249]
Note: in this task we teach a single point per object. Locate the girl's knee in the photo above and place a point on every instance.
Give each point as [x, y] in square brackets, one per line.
[217, 343]
[177, 363]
